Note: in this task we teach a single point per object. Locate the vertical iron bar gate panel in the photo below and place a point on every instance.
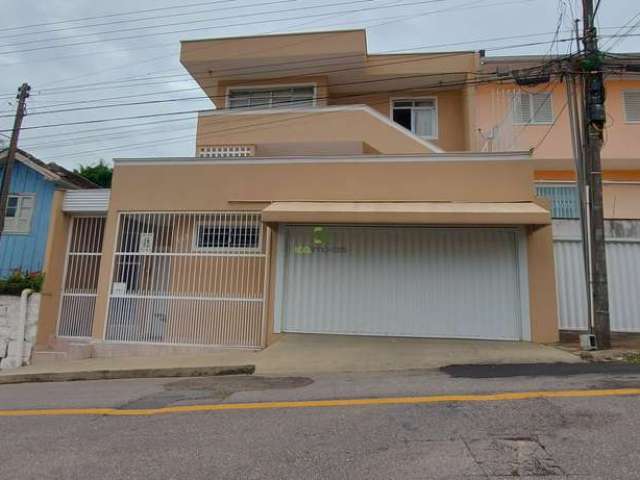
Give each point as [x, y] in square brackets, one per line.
[82, 269]
[188, 279]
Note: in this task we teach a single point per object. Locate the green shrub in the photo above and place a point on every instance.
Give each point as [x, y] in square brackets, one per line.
[15, 283]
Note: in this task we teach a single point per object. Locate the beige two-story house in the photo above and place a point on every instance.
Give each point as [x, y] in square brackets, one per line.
[332, 192]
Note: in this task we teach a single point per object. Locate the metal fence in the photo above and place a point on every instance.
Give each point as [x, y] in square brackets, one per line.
[189, 279]
[82, 269]
[623, 266]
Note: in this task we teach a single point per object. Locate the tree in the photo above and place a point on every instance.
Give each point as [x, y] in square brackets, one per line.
[100, 173]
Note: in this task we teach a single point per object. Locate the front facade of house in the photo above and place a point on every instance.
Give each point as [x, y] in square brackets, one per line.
[317, 202]
[31, 204]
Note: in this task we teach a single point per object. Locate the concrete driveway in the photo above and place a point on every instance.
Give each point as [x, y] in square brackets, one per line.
[308, 353]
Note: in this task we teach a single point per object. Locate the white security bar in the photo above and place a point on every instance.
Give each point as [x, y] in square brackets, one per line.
[82, 269]
[188, 279]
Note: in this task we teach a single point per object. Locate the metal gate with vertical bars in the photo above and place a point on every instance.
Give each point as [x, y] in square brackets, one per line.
[189, 279]
[82, 269]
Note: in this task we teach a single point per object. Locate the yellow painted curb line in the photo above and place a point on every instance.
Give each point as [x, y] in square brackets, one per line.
[223, 407]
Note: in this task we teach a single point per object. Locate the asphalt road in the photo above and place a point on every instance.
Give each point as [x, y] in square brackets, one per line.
[583, 438]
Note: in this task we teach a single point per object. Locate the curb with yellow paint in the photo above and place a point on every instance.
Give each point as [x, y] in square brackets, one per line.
[225, 407]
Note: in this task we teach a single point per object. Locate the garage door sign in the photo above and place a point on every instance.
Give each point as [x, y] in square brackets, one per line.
[321, 242]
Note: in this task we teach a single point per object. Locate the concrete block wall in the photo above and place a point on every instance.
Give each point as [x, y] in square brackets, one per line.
[10, 329]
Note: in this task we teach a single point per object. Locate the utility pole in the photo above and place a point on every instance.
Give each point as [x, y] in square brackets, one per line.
[593, 124]
[23, 94]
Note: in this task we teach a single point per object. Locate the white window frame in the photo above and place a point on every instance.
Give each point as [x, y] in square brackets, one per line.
[197, 248]
[532, 120]
[21, 197]
[436, 108]
[624, 105]
[273, 86]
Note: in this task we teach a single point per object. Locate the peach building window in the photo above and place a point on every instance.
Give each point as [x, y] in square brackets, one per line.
[532, 108]
[631, 106]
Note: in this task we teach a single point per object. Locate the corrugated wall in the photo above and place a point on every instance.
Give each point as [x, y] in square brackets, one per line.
[402, 281]
[623, 266]
[26, 252]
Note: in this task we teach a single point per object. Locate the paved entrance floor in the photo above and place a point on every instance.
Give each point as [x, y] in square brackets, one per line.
[306, 354]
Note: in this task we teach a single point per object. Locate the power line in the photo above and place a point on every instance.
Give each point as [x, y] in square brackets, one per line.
[610, 44]
[244, 128]
[552, 126]
[595, 11]
[132, 37]
[439, 85]
[251, 70]
[173, 100]
[191, 22]
[113, 15]
[133, 20]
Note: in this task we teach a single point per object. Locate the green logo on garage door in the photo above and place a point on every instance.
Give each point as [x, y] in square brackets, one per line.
[320, 243]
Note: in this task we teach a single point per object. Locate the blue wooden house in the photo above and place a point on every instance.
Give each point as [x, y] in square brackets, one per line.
[33, 185]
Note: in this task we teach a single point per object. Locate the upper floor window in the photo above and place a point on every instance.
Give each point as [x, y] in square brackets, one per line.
[19, 213]
[532, 108]
[285, 97]
[418, 115]
[631, 106]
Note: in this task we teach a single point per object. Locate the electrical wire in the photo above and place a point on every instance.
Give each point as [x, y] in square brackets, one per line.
[551, 127]
[367, 94]
[227, 25]
[119, 14]
[205, 20]
[252, 70]
[370, 81]
[143, 19]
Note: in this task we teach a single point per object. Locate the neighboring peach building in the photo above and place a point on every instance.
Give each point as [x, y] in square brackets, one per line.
[539, 120]
[331, 191]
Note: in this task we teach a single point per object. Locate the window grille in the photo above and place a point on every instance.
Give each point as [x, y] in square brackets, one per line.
[564, 200]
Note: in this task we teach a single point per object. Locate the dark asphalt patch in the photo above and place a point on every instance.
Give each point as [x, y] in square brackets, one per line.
[538, 369]
[212, 389]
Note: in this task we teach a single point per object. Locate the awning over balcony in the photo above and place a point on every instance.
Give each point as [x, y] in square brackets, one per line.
[408, 213]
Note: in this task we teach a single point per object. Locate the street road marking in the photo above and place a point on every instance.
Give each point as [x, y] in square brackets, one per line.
[356, 402]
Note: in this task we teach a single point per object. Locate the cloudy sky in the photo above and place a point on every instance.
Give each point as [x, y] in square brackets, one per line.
[82, 54]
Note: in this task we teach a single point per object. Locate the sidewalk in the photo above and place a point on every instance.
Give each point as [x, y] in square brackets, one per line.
[296, 354]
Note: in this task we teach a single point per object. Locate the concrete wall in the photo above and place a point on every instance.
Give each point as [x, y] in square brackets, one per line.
[303, 128]
[10, 331]
[55, 261]
[251, 186]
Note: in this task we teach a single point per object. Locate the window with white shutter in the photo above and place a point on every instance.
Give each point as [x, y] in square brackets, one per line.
[532, 108]
[19, 213]
[631, 106]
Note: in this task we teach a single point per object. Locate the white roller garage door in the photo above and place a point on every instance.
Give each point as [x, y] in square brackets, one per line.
[401, 281]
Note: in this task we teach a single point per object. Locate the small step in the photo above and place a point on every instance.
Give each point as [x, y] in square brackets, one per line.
[74, 348]
[47, 356]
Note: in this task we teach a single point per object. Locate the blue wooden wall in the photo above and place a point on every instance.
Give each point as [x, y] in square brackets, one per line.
[26, 252]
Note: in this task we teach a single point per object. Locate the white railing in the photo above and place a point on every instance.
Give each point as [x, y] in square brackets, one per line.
[189, 279]
[82, 269]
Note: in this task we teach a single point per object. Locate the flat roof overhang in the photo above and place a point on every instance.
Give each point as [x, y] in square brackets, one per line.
[407, 213]
[340, 57]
